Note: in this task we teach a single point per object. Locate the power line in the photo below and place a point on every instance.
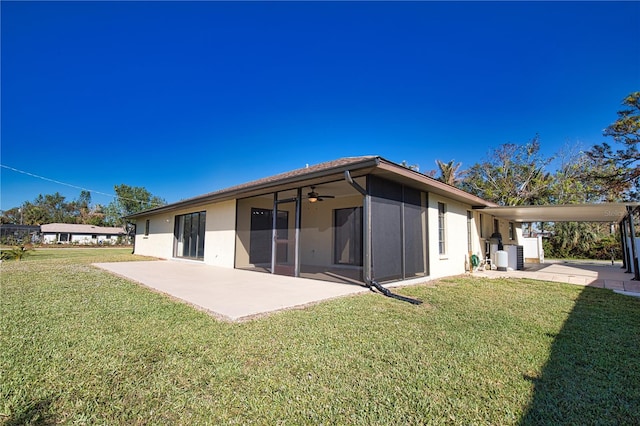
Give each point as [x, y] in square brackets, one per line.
[56, 181]
[71, 185]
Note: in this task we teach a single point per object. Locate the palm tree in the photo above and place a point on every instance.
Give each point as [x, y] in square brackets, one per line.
[449, 172]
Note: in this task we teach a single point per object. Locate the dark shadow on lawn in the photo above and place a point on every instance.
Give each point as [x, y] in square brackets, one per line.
[36, 412]
[593, 372]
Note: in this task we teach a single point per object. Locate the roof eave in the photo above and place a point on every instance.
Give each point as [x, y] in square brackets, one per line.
[289, 182]
[433, 185]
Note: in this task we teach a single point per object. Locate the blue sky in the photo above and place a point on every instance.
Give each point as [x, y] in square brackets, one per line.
[185, 98]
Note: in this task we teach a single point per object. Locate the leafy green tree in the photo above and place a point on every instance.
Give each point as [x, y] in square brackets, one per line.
[11, 216]
[53, 208]
[512, 175]
[620, 169]
[130, 200]
[449, 172]
[47, 208]
[34, 214]
[575, 237]
[569, 185]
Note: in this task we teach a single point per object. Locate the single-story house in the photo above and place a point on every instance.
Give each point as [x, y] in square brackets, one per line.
[354, 219]
[71, 233]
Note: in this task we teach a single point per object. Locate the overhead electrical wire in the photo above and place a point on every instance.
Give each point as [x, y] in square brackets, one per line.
[71, 185]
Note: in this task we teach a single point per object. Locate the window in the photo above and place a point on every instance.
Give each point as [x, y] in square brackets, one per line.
[347, 225]
[442, 210]
[189, 232]
[496, 226]
[469, 228]
[146, 227]
[482, 234]
[511, 231]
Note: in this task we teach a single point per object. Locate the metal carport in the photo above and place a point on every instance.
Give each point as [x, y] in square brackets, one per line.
[625, 214]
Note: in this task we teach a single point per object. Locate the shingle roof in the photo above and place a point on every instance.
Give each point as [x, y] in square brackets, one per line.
[304, 171]
[328, 167]
[322, 171]
[73, 228]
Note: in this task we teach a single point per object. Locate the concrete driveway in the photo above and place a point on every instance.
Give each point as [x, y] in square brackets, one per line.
[230, 294]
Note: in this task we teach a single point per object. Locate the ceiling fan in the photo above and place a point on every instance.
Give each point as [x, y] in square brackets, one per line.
[313, 196]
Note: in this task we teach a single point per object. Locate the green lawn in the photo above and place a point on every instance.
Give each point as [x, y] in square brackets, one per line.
[80, 346]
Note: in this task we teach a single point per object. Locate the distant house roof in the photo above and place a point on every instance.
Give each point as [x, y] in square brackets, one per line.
[73, 228]
[327, 172]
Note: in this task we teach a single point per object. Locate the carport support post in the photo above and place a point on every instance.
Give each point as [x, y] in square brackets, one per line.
[632, 234]
[626, 264]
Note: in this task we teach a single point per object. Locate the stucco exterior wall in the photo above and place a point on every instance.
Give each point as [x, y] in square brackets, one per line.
[228, 227]
[219, 240]
[50, 238]
[159, 242]
[453, 261]
[82, 239]
[317, 234]
[88, 239]
[484, 234]
[219, 235]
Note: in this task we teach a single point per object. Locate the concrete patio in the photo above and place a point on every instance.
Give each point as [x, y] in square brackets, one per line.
[230, 294]
[235, 295]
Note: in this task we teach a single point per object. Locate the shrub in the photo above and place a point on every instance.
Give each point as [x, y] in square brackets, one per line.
[601, 249]
[17, 252]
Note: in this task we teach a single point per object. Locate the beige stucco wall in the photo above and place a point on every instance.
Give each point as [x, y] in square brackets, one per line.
[316, 234]
[219, 235]
[226, 247]
[159, 242]
[453, 261]
[316, 238]
[488, 229]
[456, 238]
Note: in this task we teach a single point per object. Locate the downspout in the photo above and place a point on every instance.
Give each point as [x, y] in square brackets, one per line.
[366, 237]
[367, 273]
[296, 266]
[274, 231]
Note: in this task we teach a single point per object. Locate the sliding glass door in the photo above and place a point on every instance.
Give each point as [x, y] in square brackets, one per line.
[189, 232]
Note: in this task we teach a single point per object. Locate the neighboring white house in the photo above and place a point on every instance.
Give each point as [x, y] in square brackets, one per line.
[69, 233]
[354, 219]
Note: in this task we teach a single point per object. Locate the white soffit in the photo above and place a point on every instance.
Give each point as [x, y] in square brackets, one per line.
[609, 212]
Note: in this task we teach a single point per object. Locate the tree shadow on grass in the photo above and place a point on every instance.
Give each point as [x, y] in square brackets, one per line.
[33, 413]
[593, 372]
